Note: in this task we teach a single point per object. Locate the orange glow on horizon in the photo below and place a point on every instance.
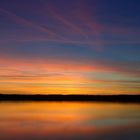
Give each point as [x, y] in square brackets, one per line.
[55, 77]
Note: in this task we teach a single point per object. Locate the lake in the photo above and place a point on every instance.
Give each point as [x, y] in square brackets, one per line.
[69, 121]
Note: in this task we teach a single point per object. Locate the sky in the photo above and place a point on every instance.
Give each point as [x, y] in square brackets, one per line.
[70, 46]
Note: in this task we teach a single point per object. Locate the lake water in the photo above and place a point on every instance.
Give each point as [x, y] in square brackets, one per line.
[69, 121]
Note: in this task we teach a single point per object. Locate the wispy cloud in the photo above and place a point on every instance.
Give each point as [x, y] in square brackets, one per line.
[26, 22]
[72, 28]
[59, 65]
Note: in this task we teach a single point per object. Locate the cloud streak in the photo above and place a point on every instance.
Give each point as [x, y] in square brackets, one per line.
[72, 29]
[26, 22]
[59, 65]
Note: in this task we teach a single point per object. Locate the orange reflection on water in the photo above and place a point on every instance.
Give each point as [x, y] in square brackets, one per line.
[65, 120]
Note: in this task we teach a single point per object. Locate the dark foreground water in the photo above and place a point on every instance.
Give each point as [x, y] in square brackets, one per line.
[69, 121]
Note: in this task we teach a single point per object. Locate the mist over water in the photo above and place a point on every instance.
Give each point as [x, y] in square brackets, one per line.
[69, 121]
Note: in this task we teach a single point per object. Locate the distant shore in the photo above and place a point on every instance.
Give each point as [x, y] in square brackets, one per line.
[101, 98]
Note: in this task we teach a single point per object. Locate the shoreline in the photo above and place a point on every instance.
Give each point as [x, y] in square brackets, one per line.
[90, 98]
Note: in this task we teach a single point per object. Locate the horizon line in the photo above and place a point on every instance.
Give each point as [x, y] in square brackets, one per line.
[80, 98]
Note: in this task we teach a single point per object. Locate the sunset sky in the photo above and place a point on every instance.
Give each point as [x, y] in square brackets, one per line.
[70, 46]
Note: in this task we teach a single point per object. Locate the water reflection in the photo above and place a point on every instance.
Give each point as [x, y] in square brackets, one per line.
[69, 121]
